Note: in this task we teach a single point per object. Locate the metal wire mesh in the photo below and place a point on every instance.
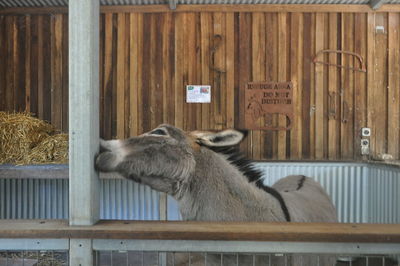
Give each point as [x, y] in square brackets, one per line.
[159, 258]
[33, 258]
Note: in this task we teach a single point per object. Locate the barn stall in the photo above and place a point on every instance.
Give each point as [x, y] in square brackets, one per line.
[343, 118]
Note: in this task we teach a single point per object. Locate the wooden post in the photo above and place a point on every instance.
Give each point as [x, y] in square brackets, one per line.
[83, 111]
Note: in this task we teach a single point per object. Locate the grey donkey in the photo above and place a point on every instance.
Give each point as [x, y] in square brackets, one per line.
[212, 181]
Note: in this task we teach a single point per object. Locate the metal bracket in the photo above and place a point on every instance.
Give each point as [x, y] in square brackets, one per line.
[172, 4]
[362, 65]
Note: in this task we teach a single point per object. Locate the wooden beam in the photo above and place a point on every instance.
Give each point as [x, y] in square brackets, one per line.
[212, 8]
[83, 111]
[375, 4]
[230, 231]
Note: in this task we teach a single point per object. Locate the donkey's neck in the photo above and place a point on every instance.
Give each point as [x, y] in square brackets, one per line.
[224, 194]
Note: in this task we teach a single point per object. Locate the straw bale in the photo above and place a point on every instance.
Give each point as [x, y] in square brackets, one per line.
[53, 149]
[21, 137]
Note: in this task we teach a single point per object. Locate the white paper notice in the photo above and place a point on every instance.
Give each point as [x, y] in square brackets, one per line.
[198, 93]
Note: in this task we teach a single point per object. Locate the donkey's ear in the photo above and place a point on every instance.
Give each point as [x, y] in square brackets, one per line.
[229, 137]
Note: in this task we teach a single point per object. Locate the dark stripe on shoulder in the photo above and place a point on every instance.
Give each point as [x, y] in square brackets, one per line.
[301, 182]
[278, 196]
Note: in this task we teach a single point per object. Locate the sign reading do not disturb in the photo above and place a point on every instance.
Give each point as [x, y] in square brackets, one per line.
[264, 99]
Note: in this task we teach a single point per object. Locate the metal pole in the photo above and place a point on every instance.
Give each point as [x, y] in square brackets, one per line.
[83, 111]
[84, 204]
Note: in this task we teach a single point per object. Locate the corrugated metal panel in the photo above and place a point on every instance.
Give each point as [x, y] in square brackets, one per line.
[127, 200]
[384, 195]
[362, 193]
[33, 199]
[38, 3]
[48, 199]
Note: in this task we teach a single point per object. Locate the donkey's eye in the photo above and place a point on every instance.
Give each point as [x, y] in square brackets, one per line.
[158, 132]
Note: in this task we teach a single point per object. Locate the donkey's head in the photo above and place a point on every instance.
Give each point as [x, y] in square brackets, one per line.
[163, 158]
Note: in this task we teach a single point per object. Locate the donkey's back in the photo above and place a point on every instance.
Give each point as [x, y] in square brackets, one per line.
[306, 200]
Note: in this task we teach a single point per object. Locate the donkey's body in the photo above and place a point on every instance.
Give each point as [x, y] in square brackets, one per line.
[210, 185]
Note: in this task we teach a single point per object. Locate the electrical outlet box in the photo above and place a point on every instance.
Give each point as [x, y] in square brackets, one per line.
[364, 146]
[366, 132]
[380, 30]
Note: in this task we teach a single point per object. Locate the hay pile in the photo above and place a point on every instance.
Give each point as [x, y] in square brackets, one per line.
[27, 140]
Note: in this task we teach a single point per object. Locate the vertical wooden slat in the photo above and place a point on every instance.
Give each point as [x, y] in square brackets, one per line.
[244, 68]
[312, 107]
[3, 69]
[47, 69]
[219, 105]
[146, 75]
[168, 69]
[197, 69]
[107, 76]
[296, 53]
[205, 28]
[360, 83]
[307, 111]
[282, 77]
[158, 67]
[371, 79]
[40, 76]
[101, 73]
[34, 69]
[127, 109]
[270, 138]
[27, 67]
[347, 90]
[114, 76]
[230, 54]
[381, 93]
[10, 86]
[258, 71]
[394, 85]
[333, 91]
[135, 72]
[120, 66]
[179, 60]
[65, 74]
[190, 68]
[153, 89]
[319, 88]
[56, 71]
[15, 66]
[19, 63]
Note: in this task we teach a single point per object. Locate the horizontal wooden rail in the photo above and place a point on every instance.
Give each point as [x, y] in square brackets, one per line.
[211, 8]
[228, 231]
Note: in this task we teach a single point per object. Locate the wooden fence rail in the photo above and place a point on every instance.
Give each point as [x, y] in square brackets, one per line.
[231, 231]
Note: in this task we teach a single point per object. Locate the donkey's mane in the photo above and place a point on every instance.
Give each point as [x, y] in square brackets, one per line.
[246, 167]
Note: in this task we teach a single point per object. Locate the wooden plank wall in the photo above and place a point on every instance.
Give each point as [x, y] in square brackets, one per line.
[148, 58]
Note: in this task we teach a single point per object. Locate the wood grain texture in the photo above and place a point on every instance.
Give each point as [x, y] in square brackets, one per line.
[296, 232]
[319, 88]
[381, 87]
[214, 8]
[333, 91]
[394, 85]
[147, 58]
